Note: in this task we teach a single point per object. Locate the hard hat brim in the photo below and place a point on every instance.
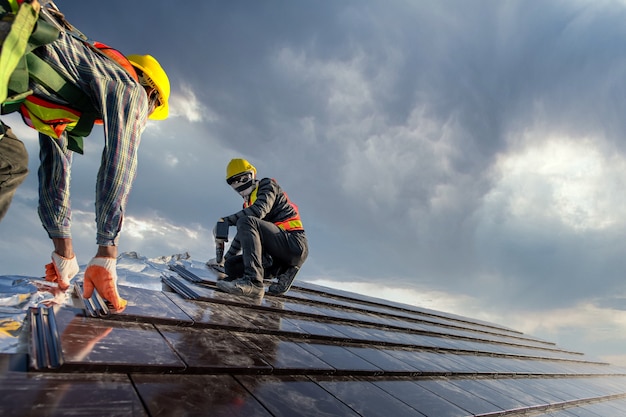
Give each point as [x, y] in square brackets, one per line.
[160, 113]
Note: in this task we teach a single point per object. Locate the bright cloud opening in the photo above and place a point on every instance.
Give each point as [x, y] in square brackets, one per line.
[570, 181]
[185, 104]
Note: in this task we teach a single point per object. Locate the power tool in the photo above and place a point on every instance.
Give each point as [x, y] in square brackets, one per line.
[220, 232]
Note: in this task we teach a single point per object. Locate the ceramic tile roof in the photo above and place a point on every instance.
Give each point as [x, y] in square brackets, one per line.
[192, 350]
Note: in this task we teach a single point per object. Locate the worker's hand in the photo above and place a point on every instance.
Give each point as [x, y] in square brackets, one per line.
[61, 270]
[101, 274]
[220, 230]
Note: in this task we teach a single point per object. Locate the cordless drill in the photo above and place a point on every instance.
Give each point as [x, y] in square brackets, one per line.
[221, 236]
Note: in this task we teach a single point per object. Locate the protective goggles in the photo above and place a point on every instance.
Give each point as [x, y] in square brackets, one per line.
[235, 180]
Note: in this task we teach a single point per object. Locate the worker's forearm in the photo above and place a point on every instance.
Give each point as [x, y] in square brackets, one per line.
[107, 252]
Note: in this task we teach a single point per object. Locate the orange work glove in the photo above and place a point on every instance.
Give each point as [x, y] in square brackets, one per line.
[61, 270]
[101, 274]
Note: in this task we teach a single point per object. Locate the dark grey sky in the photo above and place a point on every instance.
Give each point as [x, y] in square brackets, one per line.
[472, 150]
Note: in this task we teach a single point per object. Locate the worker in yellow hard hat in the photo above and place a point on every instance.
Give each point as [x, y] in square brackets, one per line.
[63, 87]
[269, 228]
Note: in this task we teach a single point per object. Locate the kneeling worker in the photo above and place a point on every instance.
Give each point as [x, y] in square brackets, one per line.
[269, 226]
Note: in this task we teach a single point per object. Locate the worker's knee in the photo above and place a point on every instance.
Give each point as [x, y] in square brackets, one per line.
[233, 266]
[13, 158]
[21, 162]
[247, 223]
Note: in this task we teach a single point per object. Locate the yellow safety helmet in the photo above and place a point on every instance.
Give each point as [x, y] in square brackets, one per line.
[239, 166]
[155, 77]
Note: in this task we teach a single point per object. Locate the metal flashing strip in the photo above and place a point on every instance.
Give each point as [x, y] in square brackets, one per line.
[179, 287]
[45, 342]
[95, 306]
[218, 268]
[188, 275]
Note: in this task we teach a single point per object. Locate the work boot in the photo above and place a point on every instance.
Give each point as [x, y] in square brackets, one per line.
[242, 286]
[273, 271]
[284, 281]
[227, 278]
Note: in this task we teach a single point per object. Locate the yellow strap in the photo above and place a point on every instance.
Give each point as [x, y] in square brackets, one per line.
[252, 197]
[14, 5]
[14, 46]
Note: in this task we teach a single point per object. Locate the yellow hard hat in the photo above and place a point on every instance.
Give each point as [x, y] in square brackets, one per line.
[239, 166]
[156, 78]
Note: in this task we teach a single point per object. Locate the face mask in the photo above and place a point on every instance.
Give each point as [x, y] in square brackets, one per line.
[242, 183]
[247, 191]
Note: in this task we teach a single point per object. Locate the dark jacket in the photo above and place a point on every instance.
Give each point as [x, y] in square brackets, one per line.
[271, 204]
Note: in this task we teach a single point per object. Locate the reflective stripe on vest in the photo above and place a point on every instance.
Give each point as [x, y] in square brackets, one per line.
[49, 118]
[289, 225]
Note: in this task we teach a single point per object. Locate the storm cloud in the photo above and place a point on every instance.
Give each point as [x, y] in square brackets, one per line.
[471, 150]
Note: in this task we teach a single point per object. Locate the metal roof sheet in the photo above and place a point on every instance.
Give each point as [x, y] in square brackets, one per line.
[192, 350]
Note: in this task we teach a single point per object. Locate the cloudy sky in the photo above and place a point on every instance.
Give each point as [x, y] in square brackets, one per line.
[466, 156]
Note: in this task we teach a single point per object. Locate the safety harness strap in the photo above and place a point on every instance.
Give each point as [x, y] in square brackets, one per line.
[17, 63]
[48, 77]
[45, 75]
[14, 46]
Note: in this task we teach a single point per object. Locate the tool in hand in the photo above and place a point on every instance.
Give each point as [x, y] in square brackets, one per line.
[221, 236]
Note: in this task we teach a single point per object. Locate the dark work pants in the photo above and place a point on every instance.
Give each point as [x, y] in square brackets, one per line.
[13, 167]
[259, 237]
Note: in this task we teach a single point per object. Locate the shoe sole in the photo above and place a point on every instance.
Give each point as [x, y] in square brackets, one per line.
[287, 288]
[235, 290]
